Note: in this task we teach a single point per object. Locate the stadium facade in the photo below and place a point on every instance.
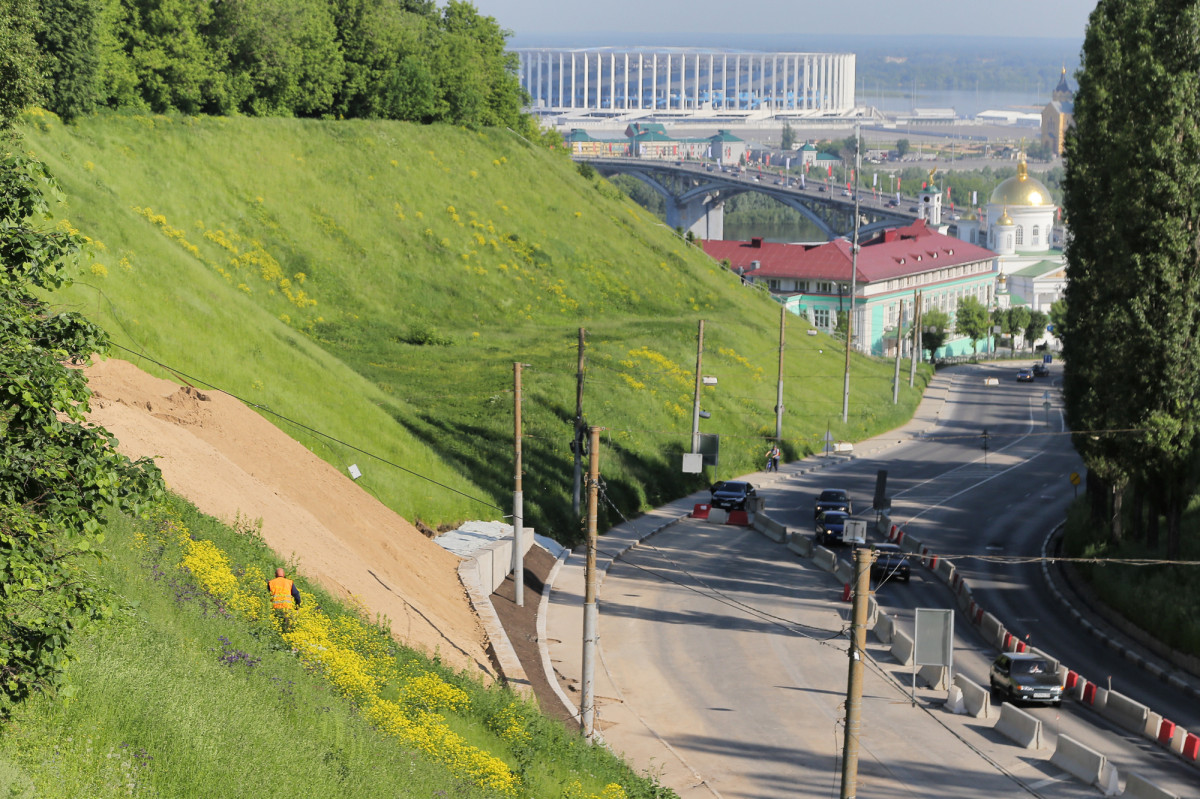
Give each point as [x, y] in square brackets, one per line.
[687, 82]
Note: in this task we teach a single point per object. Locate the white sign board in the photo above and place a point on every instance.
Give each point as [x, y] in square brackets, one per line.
[693, 462]
[855, 531]
[933, 639]
[354, 472]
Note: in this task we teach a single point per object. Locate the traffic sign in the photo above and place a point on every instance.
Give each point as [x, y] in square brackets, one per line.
[1074, 478]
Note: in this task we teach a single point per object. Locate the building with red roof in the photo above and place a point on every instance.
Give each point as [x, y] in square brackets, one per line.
[813, 280]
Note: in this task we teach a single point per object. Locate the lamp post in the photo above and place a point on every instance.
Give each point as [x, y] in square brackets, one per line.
[853, 277]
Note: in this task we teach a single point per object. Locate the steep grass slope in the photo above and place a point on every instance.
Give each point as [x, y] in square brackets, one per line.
[376, 281]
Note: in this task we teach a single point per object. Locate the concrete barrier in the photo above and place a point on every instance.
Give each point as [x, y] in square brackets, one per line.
[740, 518]
[769, 527]
[824, 558]
[993, 631]
[902, 647]
[933, 676]
[700, 510]
[911, 545]
[718, 515]
[977, 698]
[1081, 762]
[1019, 726]
[1153, 725]
[802, 545]
[885, 628]
[844, 571]
[1139, 787]
[946, 570]
[1178, 738]
[1125, 712]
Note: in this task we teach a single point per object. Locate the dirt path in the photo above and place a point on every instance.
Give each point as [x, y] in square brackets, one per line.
[229, 461]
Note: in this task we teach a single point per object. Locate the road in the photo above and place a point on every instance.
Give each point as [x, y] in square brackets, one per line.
[730, 649]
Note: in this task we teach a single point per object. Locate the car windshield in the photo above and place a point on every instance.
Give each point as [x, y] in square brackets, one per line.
[1030, 667]
[833, 496]
[834, 516]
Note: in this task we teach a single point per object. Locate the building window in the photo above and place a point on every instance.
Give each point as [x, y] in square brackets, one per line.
[824, 287]
[821, 317]
[773, 285]
[1034, 236]
[1020, 236]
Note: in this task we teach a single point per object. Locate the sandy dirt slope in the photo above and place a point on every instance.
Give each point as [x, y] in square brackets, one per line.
[229, 461]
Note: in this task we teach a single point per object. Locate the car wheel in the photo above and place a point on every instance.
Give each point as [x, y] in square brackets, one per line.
[907, 577]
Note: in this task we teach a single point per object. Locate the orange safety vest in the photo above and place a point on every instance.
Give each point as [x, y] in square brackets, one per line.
[281, 593]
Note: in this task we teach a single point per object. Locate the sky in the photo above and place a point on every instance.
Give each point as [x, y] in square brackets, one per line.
[638, 21]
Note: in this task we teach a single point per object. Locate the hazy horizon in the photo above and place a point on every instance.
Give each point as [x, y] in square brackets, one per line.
[639, 22]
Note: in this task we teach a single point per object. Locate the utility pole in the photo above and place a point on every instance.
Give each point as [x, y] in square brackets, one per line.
[916, 345]
[587, 705]
[853, 279]
[854, 686]
[518, 558]
[899, 346]
[779, 387]
[577, 446]
[696, 398]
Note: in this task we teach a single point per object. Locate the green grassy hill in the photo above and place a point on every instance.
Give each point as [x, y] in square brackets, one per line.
[376, 281]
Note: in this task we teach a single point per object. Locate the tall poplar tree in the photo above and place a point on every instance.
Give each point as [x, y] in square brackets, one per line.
[1132, 337]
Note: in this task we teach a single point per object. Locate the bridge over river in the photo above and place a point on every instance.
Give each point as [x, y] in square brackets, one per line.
[695, 195]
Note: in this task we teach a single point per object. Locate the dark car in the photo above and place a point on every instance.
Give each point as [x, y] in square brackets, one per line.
[822, 188]
[731, 494]
[830, 527]
[893, 204]
[890, 563]
[833, 499]
[1025, 376]
[1041, 370]
[1025, 677]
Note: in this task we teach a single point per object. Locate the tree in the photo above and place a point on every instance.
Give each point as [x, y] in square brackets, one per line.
[934, 326]
[1133, 258]
[1018, 320]
[1035, 327]
[903, 146]
[20, 79]
[971, 320]
[57, 475]
[787, 137]
[1058, 317]
[68, 38]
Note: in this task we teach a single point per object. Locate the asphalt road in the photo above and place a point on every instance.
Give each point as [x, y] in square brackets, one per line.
[730, 648]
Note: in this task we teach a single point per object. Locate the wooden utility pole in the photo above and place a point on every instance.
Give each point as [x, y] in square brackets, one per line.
[696, 398]
[577, 444]
[518, 558]
[587, 705]
[854, 686]
[899, 347]
[779, 387]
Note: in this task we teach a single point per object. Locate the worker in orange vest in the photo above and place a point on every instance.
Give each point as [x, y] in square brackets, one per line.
[285, 598]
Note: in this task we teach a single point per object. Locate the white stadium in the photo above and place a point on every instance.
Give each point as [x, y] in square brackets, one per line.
[684, 81]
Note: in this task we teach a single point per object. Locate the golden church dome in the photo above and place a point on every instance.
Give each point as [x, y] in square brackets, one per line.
[1022, 189]
[1005, 220]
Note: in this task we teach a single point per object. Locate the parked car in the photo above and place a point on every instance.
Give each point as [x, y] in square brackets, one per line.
[731, 494]
[1025, 376]
[1025, 677]
[822, 188]
[890, 563]
[1041, 370]
[893, 203]
[833, 499]
[830, 527]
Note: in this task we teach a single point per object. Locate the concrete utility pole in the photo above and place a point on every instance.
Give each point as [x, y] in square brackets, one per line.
[916, 345]
[587, 705]
[854, 686]
[579, 430]
[779, 388]
[853, 278]
[696, 398]
[899, 347]
[518, 558]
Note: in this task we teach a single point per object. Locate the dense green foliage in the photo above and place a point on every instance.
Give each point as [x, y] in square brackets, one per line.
[376, 281]
[178, 695]
[376, 59]
[971, 319]
[57, 475]
[1133, 160]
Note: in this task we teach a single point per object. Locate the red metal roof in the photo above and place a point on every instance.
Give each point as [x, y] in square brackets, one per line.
[895, 253]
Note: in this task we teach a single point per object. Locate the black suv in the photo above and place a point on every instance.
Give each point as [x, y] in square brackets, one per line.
[1025, 677]
[832, 499]
[1041, 370]
[890, 563]
[731, 494]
